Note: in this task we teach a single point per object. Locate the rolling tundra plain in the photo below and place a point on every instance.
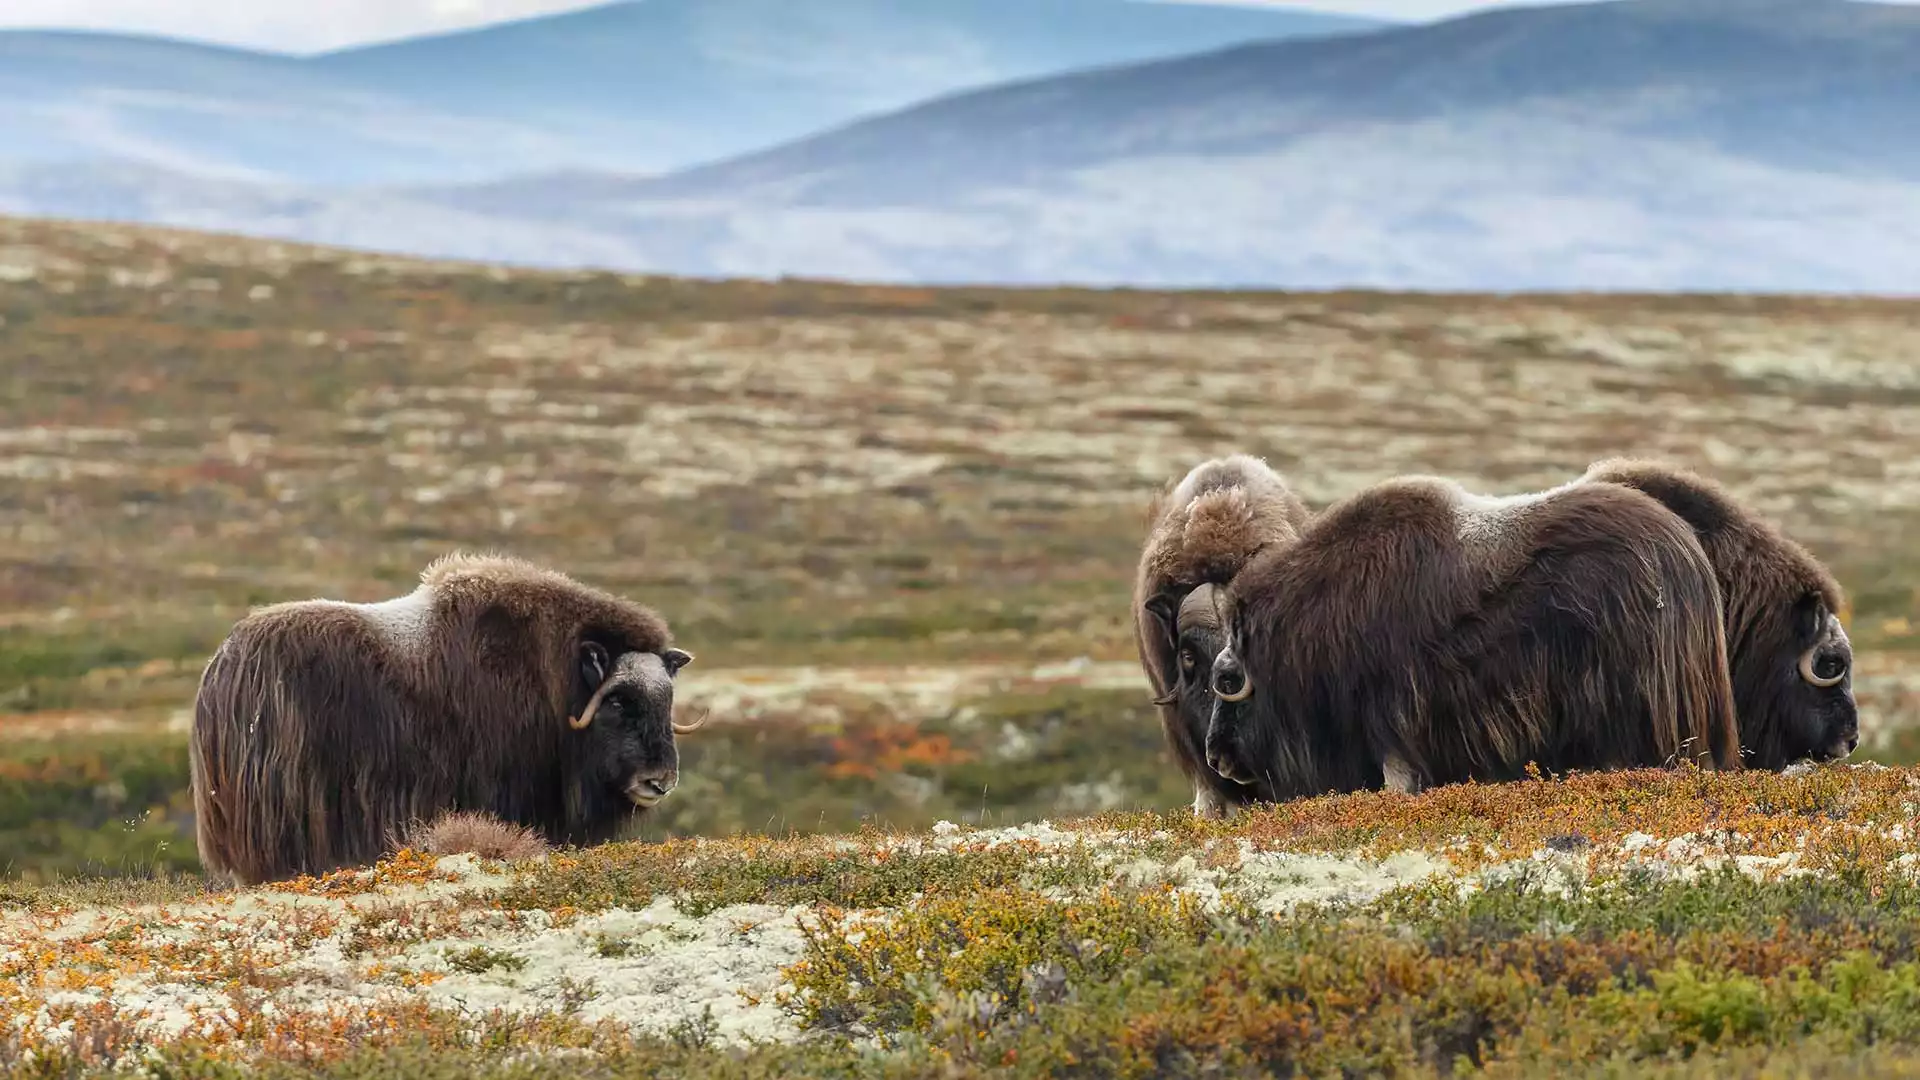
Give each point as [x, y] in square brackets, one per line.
[930, 827]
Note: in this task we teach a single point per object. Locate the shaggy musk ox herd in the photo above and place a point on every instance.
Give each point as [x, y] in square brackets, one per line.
[1411, 635]
[1416, 634]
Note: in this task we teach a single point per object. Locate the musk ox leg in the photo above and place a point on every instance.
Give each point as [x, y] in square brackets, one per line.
[1208, 804]
[1400, 776]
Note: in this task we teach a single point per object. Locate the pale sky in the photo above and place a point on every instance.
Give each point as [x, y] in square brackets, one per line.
[301, 26]
[316, 25]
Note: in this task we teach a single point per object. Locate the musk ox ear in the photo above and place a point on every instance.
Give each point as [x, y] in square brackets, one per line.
[594, 668]
[1809, 619]
[676, 659]
[1162, 617]
[594, 664]
[1160, 607]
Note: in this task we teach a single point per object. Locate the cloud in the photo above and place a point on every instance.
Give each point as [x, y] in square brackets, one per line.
[297, 26]
[301, 26]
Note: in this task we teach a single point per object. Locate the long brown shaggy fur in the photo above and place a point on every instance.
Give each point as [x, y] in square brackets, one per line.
[1419, 634]
[320, 727]
[1203, 529]
[462, 832]
[1779, 602]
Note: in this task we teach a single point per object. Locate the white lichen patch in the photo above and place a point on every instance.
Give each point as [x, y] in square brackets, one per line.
[1275, 882]
[653, 969]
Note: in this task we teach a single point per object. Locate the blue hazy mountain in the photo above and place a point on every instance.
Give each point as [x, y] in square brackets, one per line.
[632, 87]
[226, 113]
[1642, 144]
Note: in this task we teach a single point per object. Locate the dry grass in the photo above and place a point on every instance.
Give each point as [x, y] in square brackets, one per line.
[481, 835]
[819, 474]
[898, 526]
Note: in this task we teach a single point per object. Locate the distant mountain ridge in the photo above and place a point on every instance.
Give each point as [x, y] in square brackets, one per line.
[1717, 144]
[1727, 145]
[633, 87]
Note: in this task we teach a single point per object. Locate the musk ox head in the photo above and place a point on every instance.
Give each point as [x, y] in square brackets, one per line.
[624, 725]
[1197, 637]
[1804, 697]
[1235, 746]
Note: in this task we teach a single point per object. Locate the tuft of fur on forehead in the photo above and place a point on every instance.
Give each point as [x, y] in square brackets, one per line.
[1777, 599]
[1222, 513]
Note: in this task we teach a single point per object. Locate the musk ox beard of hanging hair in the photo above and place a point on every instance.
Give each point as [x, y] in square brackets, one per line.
[1791, 662]
[1203, 530]
[323, 728]
[1418, 635]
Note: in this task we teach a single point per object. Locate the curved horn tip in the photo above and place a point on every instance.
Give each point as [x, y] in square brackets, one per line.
[585, 718]
[1807, 673]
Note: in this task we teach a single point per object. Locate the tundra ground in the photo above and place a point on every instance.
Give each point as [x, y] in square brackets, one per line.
[1643, 923]
[897, 528]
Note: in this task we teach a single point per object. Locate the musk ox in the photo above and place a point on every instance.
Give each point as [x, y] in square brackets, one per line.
[1416, 635]
[1203, 529]
[321, 728]
[1789, 657]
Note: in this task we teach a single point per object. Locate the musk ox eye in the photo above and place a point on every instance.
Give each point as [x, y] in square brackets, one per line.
[1189, 660]
[1823, 669]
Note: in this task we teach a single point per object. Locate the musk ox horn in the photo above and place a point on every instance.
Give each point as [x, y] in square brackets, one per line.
[579, 723]
[687, 729]
[1230, 682]
[1806, 670]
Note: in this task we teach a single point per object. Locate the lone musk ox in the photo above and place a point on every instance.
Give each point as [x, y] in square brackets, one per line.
[1417, 634]
[1203, 530]
[1787, 653]
[324, 728]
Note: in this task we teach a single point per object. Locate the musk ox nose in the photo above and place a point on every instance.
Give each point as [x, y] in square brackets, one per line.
[1229, 679]
[646, 789]
[1221, 753]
